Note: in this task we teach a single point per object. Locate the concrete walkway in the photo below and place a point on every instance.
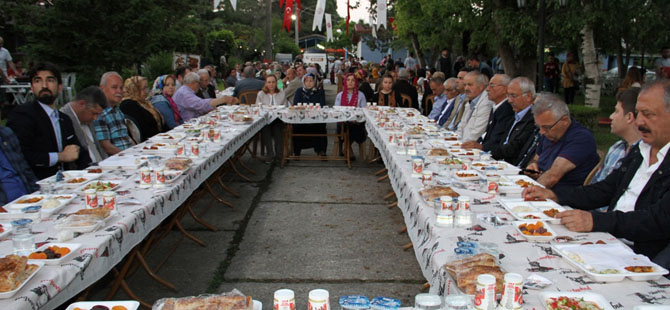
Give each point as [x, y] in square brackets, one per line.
[305, 226]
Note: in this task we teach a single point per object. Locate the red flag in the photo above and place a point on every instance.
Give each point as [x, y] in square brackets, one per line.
[391, 20]
[281, 3]
[297, 15]
[287, 15]
[299, 6]
[347, 21]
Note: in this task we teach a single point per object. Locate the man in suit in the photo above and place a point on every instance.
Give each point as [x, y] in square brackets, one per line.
[206, 90]
[459, 103]
[478, 109]
[637, 193]
[16, 177]
[515, 141]
[83, 110]
[249, 82]
[500, 118]
[403, 86]
[46, 136]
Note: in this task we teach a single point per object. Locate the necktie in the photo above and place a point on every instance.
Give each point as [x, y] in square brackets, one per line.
[59, 138]
[463, 115]
[453, 125]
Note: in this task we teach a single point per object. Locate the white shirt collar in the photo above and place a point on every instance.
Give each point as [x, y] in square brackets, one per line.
[47, 109]
[646, 148]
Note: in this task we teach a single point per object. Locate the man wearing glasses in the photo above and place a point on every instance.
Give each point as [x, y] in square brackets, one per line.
[566, 153]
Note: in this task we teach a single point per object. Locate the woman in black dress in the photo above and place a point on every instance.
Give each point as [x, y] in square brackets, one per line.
[137, 108]
[309, 93]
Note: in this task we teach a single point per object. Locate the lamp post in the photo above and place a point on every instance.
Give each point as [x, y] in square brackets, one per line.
[540, 41]
[294, 17]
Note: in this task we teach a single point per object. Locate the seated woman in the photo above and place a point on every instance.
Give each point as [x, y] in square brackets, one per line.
[309, 93]
[138, 109]
[272, 95]
[164, 88]
[350, 96]
[385, 96]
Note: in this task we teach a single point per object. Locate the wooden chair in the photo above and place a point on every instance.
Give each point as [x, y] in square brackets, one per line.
[248, 96]
[593, 172]
[429, 104]
[406, 101]
[133, 130]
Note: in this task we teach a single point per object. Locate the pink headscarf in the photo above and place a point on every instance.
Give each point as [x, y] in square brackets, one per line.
[354, 97]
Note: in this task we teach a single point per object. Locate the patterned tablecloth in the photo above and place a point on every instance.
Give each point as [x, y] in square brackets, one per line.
[434, 246]
[142, 210]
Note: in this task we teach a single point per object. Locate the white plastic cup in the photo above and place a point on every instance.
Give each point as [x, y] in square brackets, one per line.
[512, 292]
[258, 305]
[427, 302]
[284, 299]
[318, 300]
[485, 292]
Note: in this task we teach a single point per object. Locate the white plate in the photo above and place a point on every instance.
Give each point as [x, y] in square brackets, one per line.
[82, 188]
[657, 274]
[588, 296]
[68, 175]
[16, 205]
[470, 178]
[40, 264]
[535, 238]
[514, 178]
[72, 246]
[63, 202]
[513, 206]
[86, 305]
[651, 307]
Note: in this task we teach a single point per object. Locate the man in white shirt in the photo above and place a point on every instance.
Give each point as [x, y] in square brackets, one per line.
[5, 62]
[410, 62]
[638, 193]
[477, 111]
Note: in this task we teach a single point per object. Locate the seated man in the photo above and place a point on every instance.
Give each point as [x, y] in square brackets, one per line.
[16, 177]
[566, 152]
[249, 82]
[623, 125]
[449, 107]
[440, 99]
[500, 119]
[190, 105]
[404, 87]
[46, 136]
[637, 193]
[515, 143]
[83, 110]
[110, 127]
[206, 90]
[478, 108]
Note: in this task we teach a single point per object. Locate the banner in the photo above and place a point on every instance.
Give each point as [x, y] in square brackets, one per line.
[288, 11]
[381, 13]
[318, 14]
[374, 27]
[329, 29]
[348, 16]
[216, 4]
[233, 3]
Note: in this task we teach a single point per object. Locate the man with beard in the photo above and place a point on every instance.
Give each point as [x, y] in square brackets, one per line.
[46, 136]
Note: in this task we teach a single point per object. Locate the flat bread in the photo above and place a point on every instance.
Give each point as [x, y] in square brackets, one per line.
[14, 270]
[210, 302]
[431, 193]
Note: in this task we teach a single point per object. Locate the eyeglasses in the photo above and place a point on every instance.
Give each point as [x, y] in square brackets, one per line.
[495, 85]
[514, 96]
[548, 128]
[449, 89]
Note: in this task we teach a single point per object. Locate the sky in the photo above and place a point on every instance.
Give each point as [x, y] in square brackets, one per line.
[360, 13]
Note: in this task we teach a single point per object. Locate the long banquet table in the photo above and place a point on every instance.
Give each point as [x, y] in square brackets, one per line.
[142, 210]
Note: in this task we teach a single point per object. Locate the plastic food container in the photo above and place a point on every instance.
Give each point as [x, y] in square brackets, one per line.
[354, 302]
[384, 303]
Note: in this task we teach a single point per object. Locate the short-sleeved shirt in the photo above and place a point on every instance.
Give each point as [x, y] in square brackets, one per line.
[5, 57]
[111, 126]
[578, 146]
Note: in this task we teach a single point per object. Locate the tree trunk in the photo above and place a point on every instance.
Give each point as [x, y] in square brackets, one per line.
[514, 67]
[591, 65]
[417, 50]
[619, 60]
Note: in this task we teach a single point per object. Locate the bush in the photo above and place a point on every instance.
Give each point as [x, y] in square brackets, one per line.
[587, 116]
[157, 65]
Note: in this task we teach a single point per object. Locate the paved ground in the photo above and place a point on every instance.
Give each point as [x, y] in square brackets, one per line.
[305, 226]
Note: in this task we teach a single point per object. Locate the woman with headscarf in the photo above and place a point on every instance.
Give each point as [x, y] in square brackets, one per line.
[309, 93]
[350, 96]
[138, 109]
[163, 89]
[271, 95]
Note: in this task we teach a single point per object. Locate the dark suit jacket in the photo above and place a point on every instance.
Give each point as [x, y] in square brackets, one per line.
[12, 149]
[518, 142]
[499, 124]
[647, 226]
[81, 136]
[36, 135]
[404, 87]
[210, 91]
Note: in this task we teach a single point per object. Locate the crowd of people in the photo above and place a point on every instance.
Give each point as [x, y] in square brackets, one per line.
[626, 193]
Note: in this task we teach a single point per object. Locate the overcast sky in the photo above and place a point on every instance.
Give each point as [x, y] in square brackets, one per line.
[360, 13]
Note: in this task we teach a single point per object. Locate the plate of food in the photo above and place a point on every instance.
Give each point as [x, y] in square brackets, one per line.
[536, 231]
[467, 175]
[84, 220]
[522, 180]
[55, 203]
[54, 253]
[541, 210]
[15, 272]
[465, 271]
[100, 185]
[621, 262]
[430, 193]
[574, 301]
[437, 152]
[105, 305]
[178, 163]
